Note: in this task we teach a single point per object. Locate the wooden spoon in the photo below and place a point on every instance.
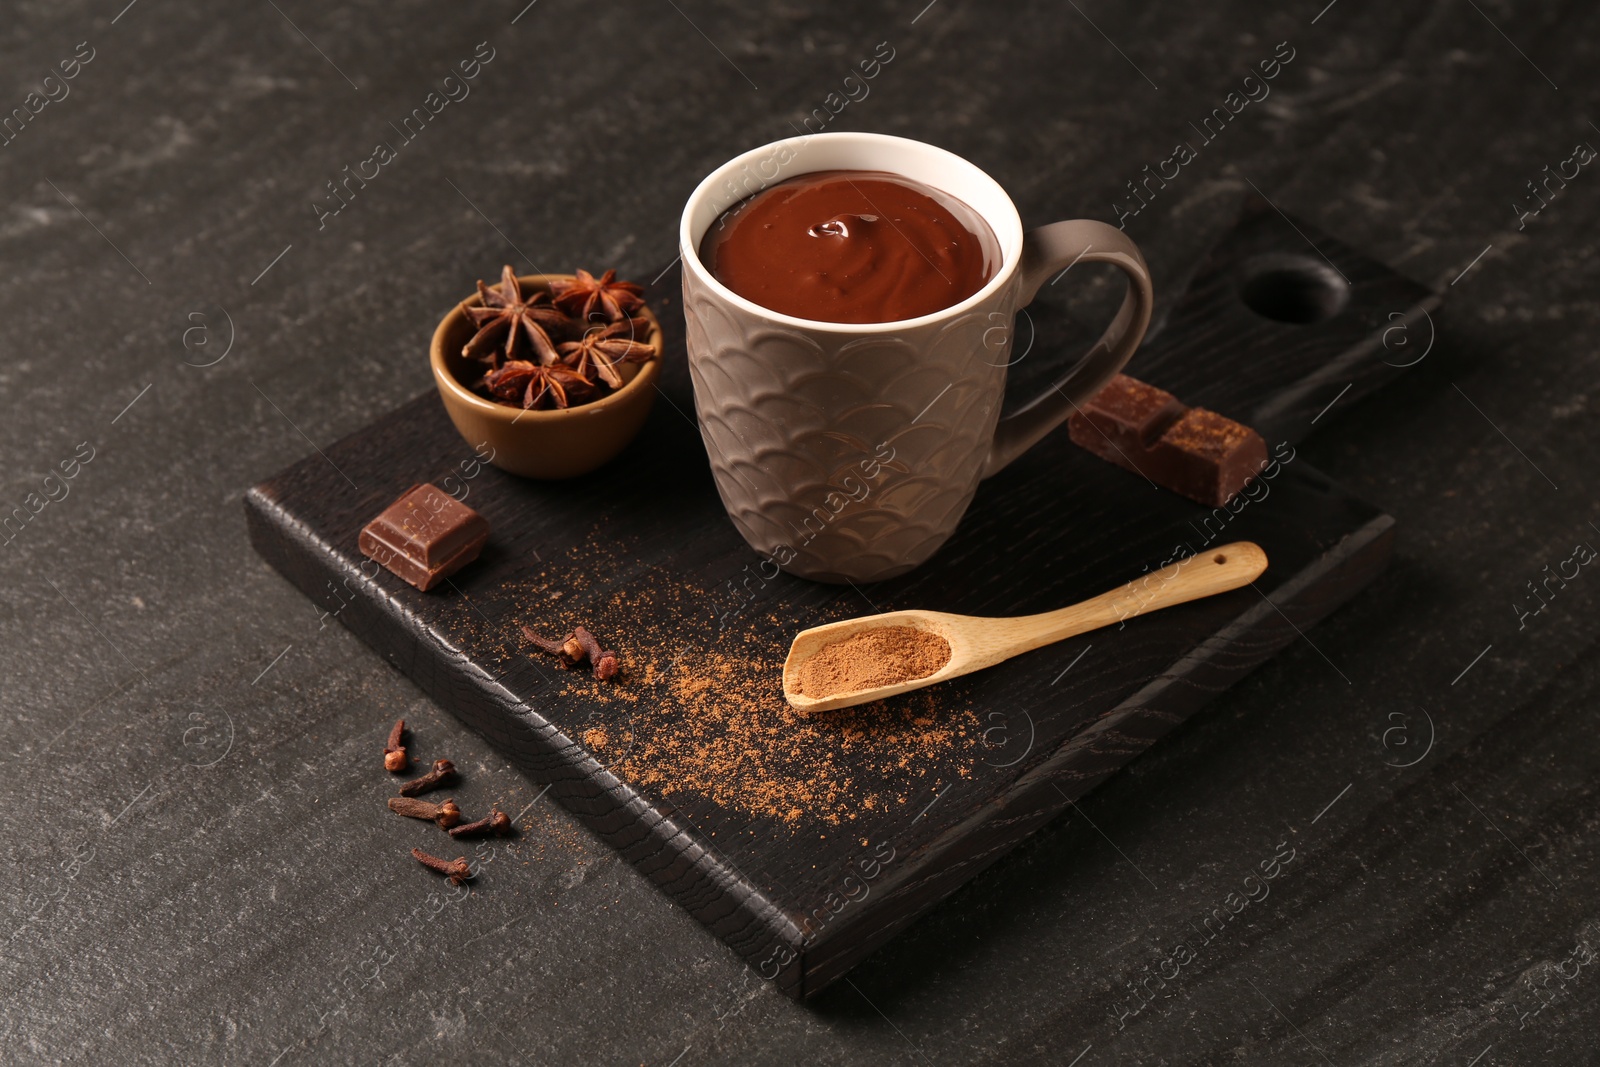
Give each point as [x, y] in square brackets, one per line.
[976, 643]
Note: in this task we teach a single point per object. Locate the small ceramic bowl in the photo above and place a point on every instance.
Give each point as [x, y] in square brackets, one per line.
[561, 443]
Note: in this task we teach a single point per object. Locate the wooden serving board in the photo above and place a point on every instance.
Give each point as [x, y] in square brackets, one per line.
[805, 843]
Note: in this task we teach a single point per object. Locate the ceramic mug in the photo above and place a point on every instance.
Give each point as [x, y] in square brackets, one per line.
[848, 451]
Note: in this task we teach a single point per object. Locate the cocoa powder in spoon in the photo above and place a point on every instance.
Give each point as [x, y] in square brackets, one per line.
[887, 655]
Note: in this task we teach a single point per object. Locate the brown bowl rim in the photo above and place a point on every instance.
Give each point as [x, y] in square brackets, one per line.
[446, 379]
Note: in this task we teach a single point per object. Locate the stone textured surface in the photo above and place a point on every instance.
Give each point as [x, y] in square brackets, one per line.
[190, 869]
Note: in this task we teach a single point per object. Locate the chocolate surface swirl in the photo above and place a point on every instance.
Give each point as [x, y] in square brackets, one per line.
[851, 246]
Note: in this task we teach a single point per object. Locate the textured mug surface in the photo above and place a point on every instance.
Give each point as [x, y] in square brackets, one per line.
[849, 452]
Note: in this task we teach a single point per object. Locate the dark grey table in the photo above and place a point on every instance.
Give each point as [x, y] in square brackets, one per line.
[196, 868]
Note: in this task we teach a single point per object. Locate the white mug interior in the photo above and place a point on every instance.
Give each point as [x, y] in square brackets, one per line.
[760, 168]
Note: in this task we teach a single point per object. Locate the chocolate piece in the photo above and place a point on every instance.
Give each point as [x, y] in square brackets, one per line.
[1197, 453]
[425, 536]
[1207, 457]
[1128, 415]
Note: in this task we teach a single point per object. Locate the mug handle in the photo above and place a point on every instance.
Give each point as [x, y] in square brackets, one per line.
[1046, 251]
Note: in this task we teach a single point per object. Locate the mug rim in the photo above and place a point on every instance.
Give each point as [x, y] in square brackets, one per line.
[1009, 226]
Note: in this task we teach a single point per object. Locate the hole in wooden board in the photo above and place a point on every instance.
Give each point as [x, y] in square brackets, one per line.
[1294, 289]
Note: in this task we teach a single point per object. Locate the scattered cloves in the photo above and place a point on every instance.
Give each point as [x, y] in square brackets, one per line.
[576, 647]
[394, 753]
[443, 771]
[496, 822]
[446, 814]
[456, 870]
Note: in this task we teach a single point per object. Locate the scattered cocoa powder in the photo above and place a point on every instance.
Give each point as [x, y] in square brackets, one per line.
[700, 717]
[887, 655]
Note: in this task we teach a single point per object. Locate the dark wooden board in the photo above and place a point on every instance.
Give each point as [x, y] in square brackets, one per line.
[803, 861]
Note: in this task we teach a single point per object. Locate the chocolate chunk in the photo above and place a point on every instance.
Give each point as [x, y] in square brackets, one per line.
[1207, 457]
[1128, 415]
[1197, 453]
[425, 536]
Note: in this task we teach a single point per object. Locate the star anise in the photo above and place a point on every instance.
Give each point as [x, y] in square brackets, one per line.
[536, 385]
[506, 316]
[587, 295]
[602, 348]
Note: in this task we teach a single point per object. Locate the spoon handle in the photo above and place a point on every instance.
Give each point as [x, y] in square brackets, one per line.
[1216, 570]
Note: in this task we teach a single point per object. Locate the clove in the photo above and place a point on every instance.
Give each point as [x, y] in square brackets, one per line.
[576, 647]
[446, 814]
[394, 753]
[568, 650]
[603, 660]
[443, 771]
[456, 870]
[496, 822]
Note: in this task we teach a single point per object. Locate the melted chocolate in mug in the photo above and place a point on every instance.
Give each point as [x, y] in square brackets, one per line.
[852, 246]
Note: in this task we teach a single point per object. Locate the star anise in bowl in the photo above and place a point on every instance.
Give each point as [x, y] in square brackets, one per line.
[536, 385]
[561, 344]
[603, 349]
[549, 375]
[504, 318]
[587, 297]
